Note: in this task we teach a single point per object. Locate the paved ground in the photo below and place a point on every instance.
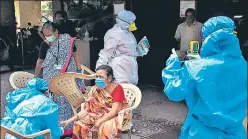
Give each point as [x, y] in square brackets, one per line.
[156, 117]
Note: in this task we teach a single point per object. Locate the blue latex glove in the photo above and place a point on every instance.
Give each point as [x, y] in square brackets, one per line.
[173, 62]
[80, 80]
[191, 57]
[79, 72]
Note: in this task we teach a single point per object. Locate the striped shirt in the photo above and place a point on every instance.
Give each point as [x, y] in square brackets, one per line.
[186, 33]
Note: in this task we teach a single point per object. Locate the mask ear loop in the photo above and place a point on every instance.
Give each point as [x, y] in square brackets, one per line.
[125, 22]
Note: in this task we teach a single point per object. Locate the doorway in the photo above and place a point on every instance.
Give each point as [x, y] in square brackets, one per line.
[158, 21]
[228, 8]
[235, 9]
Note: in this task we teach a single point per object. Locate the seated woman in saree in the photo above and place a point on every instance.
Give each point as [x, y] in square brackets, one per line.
[101, 107]
[54, 58]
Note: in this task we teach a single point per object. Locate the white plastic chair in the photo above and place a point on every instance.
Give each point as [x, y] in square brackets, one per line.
[18, 79]
[133, 96]
[4, 130]
[84, 68]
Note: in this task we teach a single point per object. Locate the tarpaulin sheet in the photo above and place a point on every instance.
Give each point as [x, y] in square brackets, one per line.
[29, 111]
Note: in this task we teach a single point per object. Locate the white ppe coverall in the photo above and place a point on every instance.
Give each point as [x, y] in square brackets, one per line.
[120, 50]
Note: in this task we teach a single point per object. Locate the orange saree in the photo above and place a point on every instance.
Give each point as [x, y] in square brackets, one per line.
[99, 104]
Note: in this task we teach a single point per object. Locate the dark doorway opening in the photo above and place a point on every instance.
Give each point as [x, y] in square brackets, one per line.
[235, 9]
[158, 21]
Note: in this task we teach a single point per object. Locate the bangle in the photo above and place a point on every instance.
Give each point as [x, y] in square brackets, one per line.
[77, 117]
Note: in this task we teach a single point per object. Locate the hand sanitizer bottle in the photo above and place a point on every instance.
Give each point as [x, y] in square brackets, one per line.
[86, 35]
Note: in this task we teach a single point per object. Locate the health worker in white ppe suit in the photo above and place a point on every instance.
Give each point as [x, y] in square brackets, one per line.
[119, 50]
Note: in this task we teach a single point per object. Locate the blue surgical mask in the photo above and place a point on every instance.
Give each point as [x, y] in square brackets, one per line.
[100, 83]
[51, 38]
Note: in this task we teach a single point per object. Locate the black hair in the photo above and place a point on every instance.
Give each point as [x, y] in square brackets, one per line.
[62, 13]
[190, 10]
[29, 23]
[57, 12]
[107, 69]
[50, 25]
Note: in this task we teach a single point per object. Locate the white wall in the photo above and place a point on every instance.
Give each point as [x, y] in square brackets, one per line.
[185, 4]
[118, 8]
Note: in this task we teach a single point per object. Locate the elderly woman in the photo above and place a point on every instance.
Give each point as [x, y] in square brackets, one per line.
[52, 59]
[120, 49]
[213, 86]
[101, 108]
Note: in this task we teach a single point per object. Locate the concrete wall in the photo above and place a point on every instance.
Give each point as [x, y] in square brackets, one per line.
[17, 12]
[83, 48]
[28, 11]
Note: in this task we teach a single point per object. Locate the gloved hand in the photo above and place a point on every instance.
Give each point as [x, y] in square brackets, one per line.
[173, 62]
[81, 81]
[191, 57]
[79, 72]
